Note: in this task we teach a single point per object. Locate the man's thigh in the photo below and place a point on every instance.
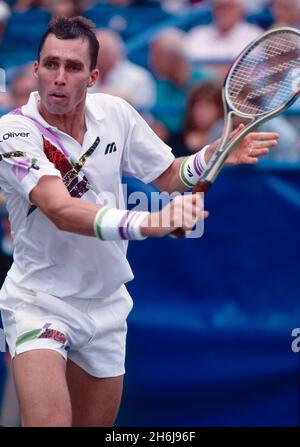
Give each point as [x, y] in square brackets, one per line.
[95, 401]
[40, 377]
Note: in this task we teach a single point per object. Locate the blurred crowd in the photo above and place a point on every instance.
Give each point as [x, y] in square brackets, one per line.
[167, 58]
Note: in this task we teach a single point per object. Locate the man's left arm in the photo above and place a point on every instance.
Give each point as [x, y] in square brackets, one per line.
[177, 178]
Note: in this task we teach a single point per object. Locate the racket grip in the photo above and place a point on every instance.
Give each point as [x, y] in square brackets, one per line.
[199, 187]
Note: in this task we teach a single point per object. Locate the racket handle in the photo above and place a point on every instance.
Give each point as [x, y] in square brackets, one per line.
[199, 187]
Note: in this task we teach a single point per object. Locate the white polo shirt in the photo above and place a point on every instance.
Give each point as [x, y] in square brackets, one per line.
[62, 263]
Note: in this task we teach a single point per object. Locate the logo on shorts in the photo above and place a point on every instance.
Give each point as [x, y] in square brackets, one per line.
[45, 332]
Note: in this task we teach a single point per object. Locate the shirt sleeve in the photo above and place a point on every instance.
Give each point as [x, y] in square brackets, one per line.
[22, 160]
[145, 155]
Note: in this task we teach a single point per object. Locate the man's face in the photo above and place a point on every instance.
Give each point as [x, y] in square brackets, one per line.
[160, 59]
[63, 74]
[227, 13]
[286, 12]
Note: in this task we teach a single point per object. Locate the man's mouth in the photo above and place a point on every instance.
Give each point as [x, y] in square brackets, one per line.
[58, 95]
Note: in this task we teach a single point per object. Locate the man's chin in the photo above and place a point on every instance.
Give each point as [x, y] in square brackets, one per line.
[57, 109]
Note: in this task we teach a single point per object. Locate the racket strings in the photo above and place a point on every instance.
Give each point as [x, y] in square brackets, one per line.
[267, 76]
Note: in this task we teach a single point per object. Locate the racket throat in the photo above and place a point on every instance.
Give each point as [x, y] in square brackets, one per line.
[214, 167]
[225, 148]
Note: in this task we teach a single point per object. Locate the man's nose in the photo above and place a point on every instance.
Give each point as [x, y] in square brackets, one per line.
[61, 77]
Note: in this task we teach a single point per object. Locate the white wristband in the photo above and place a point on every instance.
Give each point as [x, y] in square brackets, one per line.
[113, 224]
[192, 167]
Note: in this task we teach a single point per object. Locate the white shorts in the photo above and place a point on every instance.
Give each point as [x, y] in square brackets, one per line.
[91, 333]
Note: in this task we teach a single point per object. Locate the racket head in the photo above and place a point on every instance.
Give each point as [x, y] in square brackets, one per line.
[265, 78]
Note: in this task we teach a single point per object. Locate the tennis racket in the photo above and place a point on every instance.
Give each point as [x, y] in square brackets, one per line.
[263, 81]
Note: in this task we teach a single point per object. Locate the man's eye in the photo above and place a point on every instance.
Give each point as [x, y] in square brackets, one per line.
[73, 68]
[50, 64]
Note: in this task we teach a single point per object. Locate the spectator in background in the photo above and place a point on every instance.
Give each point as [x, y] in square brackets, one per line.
[204, 109]
[24, 5]
[175, 78]
[221, 41]
[119, 76]
[127, 17]
[64, 8]
[22, 85]
[286, 13]
[4, 16]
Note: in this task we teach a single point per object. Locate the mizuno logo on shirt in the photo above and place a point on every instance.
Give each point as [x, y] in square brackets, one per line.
[111, 147]
[8, 135]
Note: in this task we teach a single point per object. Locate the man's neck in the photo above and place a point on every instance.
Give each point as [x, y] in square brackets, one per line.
[72, 124]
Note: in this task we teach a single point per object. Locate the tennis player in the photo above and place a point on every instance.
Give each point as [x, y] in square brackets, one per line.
[64, 303]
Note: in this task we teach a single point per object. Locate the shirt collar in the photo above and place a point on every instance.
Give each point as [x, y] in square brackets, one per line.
[93, 106]
[31, 109]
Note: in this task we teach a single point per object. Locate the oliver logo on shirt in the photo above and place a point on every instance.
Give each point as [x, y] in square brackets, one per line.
[8, 135]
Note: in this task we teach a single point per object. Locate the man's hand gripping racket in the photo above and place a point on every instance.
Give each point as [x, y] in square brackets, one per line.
[262, 82]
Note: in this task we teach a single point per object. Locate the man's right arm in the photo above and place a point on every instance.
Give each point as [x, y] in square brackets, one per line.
[67, 213]
[81, 217]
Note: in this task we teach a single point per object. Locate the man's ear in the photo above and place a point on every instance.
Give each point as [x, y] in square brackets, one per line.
[93, 77]
[35, 69]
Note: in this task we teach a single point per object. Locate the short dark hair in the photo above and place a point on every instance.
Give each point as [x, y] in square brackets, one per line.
[72, 28]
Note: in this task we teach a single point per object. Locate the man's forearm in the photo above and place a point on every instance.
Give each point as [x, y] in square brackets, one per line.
[75, 216]
[104, 222]
[172, 179]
